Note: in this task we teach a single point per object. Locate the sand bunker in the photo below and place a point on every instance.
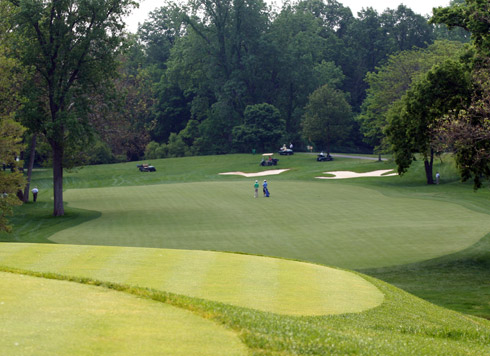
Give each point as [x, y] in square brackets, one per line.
[348, 174]
[258, 174]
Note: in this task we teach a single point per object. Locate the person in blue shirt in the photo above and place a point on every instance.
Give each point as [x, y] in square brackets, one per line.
[264, 187]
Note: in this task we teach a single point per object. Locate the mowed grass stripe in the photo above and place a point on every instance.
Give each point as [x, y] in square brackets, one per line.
[187, 275]
[29, 256]
[257, 278]
[48, 317]
[266, 284]
[333, 224]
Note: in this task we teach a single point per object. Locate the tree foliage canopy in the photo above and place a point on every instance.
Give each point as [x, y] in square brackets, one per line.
[12, 78]
[328, 117]
[262, 127]
[466, 131]
[411, 128]
[391, 81]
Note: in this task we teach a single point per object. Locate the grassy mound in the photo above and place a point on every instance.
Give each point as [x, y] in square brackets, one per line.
[48, 317]
[267, 284]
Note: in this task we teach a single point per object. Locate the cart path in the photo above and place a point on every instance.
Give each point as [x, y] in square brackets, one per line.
[339, 155]
[357, 157]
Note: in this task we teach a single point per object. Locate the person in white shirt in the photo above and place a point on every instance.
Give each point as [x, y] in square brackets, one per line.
[34, 193]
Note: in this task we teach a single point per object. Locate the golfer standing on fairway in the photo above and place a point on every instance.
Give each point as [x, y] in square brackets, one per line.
[256, 187]
[264, 187]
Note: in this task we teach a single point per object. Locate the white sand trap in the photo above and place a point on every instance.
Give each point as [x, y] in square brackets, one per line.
[348, 174]
[258, 174]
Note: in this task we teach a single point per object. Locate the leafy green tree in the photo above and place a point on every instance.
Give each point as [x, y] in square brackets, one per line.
[467, 133]
[154, 150]
[214, 71]
[160, 32]
[262, 128]
[412, 122]
[122, 120]
[10, 182]
[176, 146]
[372, 37]
[367, 43]
[99, 152]
[332, 14]
[328, 117]
[12, 77]
[392, 80]
[467, 130]
[231, 32]
[406, 28]
[303, 41]
[443, 32]
[72, 44]
[472, 16]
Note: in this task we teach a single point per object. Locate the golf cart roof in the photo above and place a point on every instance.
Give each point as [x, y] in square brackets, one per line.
[267, 154]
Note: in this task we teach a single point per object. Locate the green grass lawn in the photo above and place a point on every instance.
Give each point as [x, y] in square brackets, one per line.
[268, 284]
[338, 225]
[429, 240]
[48, 317]
[459, 281]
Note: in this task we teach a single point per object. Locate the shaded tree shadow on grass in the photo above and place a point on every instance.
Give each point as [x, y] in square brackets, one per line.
[35, 223]
[460, 281]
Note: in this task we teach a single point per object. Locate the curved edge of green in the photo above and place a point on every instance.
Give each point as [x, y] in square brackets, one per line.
[267, 284]
[47, 317]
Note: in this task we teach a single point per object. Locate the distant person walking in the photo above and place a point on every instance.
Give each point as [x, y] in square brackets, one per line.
[256, 188]
[438, 177]
[34, 193]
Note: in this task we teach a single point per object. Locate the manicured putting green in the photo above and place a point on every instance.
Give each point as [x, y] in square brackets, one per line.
[267, 284]
[47, 317]
[322, 221]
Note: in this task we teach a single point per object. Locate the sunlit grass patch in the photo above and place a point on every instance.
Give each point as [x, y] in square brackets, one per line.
[47, 317]
[267, 284]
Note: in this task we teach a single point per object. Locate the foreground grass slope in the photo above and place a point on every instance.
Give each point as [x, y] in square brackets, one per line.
[401, 325]
[48, 317]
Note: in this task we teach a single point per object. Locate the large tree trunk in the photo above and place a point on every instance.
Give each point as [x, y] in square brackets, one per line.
[29, 168]
[428, 164]
[58, 179]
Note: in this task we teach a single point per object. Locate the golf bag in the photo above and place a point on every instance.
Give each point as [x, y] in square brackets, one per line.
[266, 192]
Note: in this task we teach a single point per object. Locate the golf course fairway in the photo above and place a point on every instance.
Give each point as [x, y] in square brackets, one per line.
[262, 283]
[332, 224]
[47, 317]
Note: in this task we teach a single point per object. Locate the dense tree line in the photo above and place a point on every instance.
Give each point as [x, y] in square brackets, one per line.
[210, 61]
